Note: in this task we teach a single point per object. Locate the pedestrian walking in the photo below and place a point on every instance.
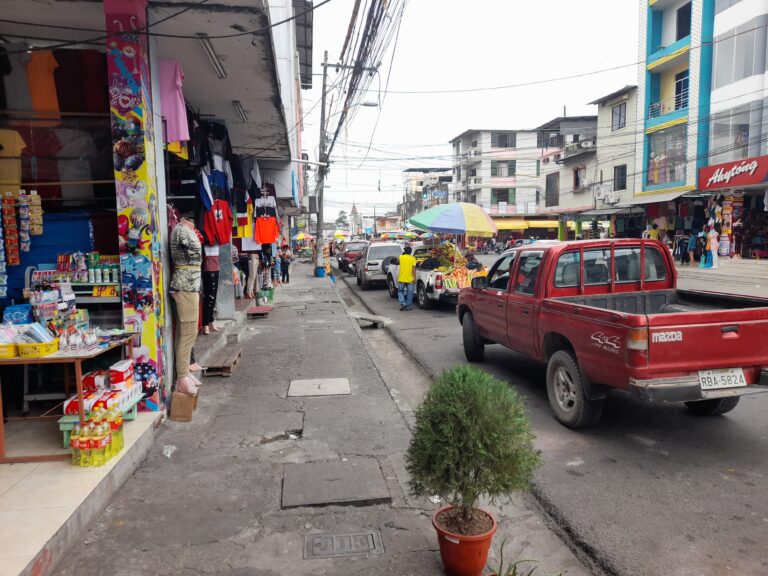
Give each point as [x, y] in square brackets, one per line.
[405, 279]
[286, 256]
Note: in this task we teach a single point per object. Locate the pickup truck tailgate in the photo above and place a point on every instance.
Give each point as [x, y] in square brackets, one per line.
[685, 342]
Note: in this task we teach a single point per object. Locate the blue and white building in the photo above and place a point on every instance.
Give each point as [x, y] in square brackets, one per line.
[674, 96]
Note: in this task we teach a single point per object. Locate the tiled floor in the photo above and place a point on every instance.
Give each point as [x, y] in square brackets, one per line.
[36, 499]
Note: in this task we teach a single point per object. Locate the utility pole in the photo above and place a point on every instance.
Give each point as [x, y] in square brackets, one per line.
[321, 172]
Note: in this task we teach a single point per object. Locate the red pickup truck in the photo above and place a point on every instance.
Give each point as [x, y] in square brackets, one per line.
[585, 310]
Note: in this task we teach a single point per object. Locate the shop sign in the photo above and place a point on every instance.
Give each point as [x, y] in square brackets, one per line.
[731, 174]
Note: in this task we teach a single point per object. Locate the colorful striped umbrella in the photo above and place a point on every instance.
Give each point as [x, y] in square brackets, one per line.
[411, 235]
[456, 218]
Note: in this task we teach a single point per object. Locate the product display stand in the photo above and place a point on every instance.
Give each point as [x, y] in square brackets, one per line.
[59, 358]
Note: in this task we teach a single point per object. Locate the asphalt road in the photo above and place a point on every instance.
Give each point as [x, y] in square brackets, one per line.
[650, 490]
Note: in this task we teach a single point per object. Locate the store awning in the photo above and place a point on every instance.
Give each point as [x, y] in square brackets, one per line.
[652, 198]
[510, 224]
[543, 223]
[610, 212]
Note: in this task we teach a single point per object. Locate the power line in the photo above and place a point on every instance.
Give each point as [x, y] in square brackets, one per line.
[110, 35]
[145, 30]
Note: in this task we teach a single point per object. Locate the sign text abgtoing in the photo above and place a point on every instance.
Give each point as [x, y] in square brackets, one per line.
[747, 172]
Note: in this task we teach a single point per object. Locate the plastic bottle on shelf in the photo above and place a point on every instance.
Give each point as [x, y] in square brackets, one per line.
[109, 447]
[114, 429]
[74, 444]
[98, 445]
[86, 445]
[120, 430]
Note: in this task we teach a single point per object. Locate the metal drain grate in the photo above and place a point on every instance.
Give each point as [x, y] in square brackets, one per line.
[342, 544]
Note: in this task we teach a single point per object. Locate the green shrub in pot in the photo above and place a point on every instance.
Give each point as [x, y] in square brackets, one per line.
[472, 439]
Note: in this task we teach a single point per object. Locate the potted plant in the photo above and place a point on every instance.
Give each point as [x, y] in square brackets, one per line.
[472, 439]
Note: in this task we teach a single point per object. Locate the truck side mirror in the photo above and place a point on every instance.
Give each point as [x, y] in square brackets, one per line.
[479, 282]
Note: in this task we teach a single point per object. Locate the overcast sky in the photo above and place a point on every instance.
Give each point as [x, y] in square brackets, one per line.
[452, 44]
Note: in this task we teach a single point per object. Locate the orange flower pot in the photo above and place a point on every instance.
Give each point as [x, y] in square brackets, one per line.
[463, 555]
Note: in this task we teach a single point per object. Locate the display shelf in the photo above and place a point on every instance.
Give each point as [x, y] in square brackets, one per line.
[95, 283]
[98, 299]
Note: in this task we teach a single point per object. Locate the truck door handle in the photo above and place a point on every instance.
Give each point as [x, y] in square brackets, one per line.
[526, 311]
[499, 305]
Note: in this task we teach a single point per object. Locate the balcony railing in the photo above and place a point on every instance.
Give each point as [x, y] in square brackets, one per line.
[677, 102]
[572, 148]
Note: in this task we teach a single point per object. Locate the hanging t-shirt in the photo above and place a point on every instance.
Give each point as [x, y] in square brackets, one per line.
[172, 98]
[42, 85]
[217, 223]
[5, 69]
[16, 85]
[11, 146]
[266, 230]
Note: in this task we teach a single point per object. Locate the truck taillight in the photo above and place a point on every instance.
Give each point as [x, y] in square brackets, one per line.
[637, 347]
[439, 282]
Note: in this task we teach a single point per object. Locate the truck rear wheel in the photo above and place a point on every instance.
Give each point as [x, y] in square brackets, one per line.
[565, 389]
[474, 348]
[421, 294]
[391, 287]
[713, 407]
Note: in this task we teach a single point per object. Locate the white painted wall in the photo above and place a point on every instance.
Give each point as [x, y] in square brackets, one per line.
[739, 14]
[669, 21]
[615, 148]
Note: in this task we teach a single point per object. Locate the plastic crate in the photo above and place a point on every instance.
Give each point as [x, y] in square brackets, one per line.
[38, 350]
[9, 351]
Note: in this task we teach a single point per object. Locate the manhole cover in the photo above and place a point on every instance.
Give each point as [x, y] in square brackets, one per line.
[342, 544]
[319, 387]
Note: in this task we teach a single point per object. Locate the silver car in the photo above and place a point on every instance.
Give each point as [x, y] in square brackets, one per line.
[374, 263]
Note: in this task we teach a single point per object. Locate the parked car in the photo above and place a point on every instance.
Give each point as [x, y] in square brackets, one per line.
[584, 309]
[373, 265]
[348, 254]
[430, 287]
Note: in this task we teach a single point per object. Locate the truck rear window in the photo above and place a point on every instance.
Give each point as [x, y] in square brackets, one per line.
[597, 267]
[359, 247]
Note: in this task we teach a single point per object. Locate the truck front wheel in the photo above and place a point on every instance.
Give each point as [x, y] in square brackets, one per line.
[713, 407]
[565, 389]
[474, 348]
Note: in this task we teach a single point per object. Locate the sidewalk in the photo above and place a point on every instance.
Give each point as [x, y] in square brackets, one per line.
[739, 276]
[264, 482]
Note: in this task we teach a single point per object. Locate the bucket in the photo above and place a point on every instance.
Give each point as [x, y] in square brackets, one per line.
[320, 272]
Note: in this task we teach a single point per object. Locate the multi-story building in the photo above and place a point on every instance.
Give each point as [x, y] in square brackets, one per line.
[414, 182]
[615, 176]
[498, 169]
[568, 149]
[739, 107]
[674, 90]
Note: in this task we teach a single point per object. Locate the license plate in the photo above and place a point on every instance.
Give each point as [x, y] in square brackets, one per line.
[723, 378]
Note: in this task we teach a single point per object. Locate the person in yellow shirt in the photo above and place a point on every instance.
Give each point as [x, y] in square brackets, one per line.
[405, 279]
[653, 233]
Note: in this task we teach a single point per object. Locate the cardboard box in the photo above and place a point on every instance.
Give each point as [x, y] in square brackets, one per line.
[182, 407]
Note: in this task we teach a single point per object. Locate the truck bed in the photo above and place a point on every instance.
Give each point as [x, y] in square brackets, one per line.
[666, 302]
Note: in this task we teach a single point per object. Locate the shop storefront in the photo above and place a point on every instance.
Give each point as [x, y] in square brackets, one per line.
[734, 200]
[102, 148]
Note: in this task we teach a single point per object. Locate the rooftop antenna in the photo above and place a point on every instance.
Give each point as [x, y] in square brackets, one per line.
[565, 114]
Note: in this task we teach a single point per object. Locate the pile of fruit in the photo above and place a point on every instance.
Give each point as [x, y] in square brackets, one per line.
[449, 257]
[461, 277]
[453, 264]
